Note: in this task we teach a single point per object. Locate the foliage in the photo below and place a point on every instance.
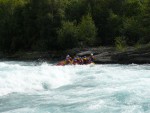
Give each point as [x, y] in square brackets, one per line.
[41, 25]
[67, 35]
[120, 43]
[87, 31]
[146, 22]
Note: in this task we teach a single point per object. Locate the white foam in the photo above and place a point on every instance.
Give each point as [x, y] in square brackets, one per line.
[17, 78]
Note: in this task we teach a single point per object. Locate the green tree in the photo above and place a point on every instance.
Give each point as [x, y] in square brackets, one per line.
[42, 19]
[132, 28]
[120, 43]
[146, 22]
[8, 23]
[87, 31]
[75, 10]
[39, 24]
[67, 35]
[100, 13]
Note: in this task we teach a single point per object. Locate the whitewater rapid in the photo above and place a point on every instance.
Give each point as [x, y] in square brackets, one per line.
[30, 87]
[25, 78]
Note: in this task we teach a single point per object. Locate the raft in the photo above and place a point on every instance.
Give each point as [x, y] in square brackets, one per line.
[62, 63]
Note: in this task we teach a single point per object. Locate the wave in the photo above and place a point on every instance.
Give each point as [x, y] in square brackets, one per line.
[28, 77]
[22, 78]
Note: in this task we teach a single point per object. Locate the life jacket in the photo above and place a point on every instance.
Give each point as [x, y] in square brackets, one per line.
[68, 60]
[85, 60]
[75, 62]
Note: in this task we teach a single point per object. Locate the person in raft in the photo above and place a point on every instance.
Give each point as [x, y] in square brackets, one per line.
[68, 60]
[91, 58]
[78, 60]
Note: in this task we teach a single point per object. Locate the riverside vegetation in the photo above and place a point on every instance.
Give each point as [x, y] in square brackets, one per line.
[42, 25]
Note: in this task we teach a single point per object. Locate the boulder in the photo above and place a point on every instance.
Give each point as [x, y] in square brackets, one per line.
[103, 58]
[109, 55]
[84, 53]
[138, 56]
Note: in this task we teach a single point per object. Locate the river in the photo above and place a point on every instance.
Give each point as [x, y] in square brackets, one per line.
[30, 87]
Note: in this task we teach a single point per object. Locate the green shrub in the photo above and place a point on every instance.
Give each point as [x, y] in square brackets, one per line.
[87, 31]
[120, 43]
[67, 35]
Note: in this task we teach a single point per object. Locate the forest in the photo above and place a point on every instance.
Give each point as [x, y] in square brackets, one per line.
[42, 25]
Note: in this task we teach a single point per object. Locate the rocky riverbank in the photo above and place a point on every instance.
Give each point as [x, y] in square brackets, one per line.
[109, 55]
[103, 55]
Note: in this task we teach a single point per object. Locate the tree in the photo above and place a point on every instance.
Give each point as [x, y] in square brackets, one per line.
[87, 31]
[8, 23]
[146, 22]
[43, 24]
[67, 35]
[42, 19]
[132, 28]
[75, 10]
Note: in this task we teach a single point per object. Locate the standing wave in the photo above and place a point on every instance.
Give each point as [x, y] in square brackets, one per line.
[46, 88]
[24, 78]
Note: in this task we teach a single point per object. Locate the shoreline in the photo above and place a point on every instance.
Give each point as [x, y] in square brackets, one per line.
[103, 55]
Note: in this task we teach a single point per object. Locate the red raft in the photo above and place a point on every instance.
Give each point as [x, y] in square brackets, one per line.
[61, 63]
[77, 60]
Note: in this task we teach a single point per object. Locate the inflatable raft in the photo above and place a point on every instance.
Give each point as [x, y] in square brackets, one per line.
[63, 63]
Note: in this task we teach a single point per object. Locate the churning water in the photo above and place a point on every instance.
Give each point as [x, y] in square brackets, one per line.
[27, 87]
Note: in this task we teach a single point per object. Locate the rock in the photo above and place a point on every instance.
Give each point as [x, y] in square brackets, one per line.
[109, 55]
[138, 56]
[103, 55]
[103, 58]
[85, 53]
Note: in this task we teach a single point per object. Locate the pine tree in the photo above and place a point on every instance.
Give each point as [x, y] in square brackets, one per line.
[87, 31]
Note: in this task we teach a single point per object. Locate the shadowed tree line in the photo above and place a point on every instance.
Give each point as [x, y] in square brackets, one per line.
[40, 25]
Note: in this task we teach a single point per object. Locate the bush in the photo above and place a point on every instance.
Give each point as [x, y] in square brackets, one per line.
[67, 35]
[120, 43]
[87, 31]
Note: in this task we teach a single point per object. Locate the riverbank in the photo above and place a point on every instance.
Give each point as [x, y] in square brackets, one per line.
[103, 55]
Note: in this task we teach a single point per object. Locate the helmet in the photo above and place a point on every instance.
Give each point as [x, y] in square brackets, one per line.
[68, 55]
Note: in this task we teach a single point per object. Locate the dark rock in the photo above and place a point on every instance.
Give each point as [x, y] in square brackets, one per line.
[85, 53]
[103, 58]
[103, 55]
[109, 55]
[138, 56]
